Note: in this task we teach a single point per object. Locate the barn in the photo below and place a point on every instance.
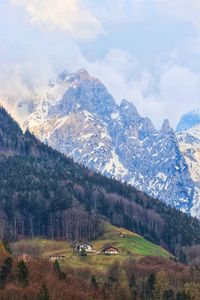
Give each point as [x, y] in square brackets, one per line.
[110, 250]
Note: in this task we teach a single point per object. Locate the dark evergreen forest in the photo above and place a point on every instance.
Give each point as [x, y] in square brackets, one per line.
[44, 193]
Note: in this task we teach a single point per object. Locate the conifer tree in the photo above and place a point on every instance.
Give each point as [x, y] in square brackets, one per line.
[133, 286]
[113, 274]
[43, 293]
[58, 271]
[5, 271]
[56, 267]
[183, 296]
[94, 283]
[149, 288]
[22, 273]
[168, 295]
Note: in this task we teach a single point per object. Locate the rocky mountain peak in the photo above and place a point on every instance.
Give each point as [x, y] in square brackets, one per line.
[128, 106]
[80, 118]
[166, 125]
[128, 111]
[89, 94]
[80, 75]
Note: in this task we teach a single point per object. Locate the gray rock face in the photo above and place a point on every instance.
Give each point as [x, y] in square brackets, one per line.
[79, 117]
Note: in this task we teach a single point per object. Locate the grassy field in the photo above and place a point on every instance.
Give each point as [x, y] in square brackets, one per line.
[128, 243]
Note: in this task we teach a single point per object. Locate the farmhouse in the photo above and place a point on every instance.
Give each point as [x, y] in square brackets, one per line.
[86, 247]
[110, 250]
[56, 257]
[121, 234]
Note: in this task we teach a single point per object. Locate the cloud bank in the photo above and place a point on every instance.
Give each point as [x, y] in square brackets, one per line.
[59, 35]
[184, 10]
[69, 16]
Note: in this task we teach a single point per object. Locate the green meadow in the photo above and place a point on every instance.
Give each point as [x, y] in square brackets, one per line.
[128, 243]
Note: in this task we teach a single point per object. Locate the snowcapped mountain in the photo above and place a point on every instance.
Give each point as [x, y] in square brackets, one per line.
[189, 141]
[79, 117]
[189, 120]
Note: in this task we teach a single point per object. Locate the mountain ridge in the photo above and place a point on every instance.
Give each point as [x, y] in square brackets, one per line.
[85, 123]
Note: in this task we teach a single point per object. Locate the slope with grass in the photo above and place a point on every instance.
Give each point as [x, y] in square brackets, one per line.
[129, 244]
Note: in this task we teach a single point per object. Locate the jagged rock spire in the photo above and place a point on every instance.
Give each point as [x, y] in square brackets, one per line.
[166, 125]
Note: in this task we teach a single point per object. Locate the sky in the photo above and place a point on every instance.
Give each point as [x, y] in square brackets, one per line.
[147, 51]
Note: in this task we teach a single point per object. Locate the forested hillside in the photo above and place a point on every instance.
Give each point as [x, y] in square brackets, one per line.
[44, 193]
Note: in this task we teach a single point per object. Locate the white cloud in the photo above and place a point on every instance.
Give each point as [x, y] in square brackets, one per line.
[185, 10]
[179, 89]
[168, 92]
[123, 75]
[18, 81]
[66, 15]
[20, 77]
[170, 87]
[118, 11]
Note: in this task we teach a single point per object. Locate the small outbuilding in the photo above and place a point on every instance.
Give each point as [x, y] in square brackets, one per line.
[110, 250]
[56, 257]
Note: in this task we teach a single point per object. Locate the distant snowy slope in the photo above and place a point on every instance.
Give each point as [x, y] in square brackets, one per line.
[189, 120]
[189, 141]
